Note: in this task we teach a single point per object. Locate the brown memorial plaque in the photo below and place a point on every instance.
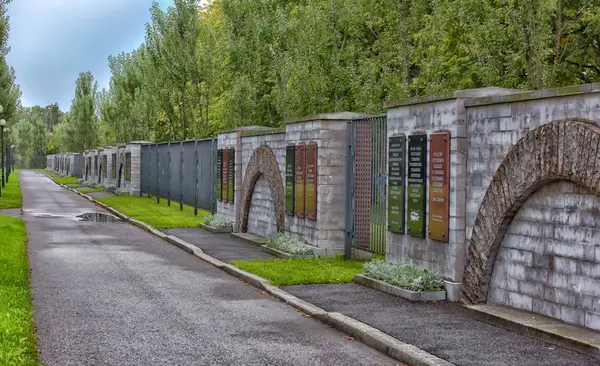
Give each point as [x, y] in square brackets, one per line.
[225, 171]
[300, 176]
[311, 181]
[439, 186]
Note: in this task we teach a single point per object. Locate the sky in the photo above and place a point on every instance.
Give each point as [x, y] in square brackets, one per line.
[52, 41]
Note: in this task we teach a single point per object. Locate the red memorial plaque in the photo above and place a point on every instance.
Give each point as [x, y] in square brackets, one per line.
[225, 172]
[439, 186]
[311, 181]
[300, 178]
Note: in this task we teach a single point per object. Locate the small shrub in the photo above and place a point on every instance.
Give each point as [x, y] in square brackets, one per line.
[122, 192]
[91, 184]
[288, 244]
[218, 221]
[110, 189]
[408, 277]
[80, 181]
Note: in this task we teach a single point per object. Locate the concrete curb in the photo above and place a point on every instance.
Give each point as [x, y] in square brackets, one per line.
[372, 337]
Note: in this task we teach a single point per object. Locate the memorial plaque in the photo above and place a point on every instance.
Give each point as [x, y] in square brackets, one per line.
[397, 174]
[439, 186]
[231, 184]
[290, 167]
[311, 181]
[300, 171]
[219, 175]
[417, 150]
[225, 168]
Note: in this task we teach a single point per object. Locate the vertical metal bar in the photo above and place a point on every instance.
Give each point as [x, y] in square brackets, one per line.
[181, 176]
[349, 190]
[157, 175]
[196, 177]
[149, 169]
[169, 170]
[215, 145]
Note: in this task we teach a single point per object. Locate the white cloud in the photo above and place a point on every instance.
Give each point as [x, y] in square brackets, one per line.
[52, 41]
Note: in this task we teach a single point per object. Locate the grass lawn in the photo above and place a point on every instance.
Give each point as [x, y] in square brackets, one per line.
[91, 190]
[303, 271]
[59, 178]
[17, 335]
[11, 193]
[158, 215]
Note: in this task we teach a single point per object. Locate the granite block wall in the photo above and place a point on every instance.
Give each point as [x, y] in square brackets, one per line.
[548, 261]
[261, 218]
[497, 124]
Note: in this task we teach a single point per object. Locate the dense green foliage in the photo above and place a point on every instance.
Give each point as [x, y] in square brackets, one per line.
[17, 335]
[303, 271]
[204, 66]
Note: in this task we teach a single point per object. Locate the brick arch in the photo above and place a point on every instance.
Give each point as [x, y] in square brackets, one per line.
[560, 150]
[262, 163]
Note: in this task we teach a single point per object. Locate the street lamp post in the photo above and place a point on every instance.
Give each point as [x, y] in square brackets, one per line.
[2, 125]
[8, 157]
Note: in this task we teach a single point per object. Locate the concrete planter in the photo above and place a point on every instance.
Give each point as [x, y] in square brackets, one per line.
[452, 290]
[280, 254]
[215, 230]
[398, 291]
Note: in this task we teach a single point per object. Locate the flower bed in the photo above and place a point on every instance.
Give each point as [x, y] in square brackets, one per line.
[409, 282]
[288, 244]
[217, 224]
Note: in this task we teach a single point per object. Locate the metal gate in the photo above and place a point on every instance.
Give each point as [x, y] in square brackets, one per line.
[367, 177]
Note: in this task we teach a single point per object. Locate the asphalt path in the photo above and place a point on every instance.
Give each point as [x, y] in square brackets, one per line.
[112, 294]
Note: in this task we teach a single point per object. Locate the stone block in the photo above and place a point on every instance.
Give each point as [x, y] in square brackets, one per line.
[520, 301]
[533, 289]
[592, 320]
[546, 308]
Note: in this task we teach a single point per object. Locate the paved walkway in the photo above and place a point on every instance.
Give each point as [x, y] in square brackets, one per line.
[16, 212]
[110, 293]
[443, 329]
[224, 247]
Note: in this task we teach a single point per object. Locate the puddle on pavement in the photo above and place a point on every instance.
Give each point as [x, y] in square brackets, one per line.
[98, 217]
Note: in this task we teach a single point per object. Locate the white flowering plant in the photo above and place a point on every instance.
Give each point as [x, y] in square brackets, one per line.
[408, 277]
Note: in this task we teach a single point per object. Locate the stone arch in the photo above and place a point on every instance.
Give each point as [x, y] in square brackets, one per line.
[262, 163]
[559, 150]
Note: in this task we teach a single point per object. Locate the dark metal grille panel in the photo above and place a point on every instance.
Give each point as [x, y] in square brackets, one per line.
[164, 170]
[206, 174]
[189, 172]
[176, 171]
[368, 192]
[145, 181]
[181, 171]
[362, 193]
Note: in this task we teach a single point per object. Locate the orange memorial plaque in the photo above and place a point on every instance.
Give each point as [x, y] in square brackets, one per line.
[311, 181]
[439, 186]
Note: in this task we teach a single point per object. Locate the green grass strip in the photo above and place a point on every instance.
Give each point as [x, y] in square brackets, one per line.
[17, 335]
[158, 215]
[91, 190]
[59, 178]
[303, 271]
[11, 193]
